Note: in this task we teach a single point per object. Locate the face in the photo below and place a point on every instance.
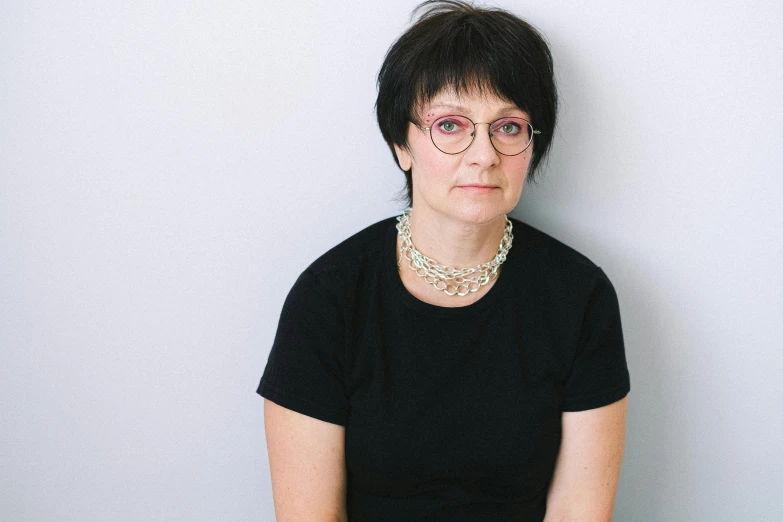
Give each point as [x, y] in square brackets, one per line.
[475, 186]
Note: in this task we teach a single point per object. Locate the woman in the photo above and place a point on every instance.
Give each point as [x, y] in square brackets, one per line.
[400, 388]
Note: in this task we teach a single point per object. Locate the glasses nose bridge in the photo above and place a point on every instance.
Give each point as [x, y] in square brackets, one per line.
[489, 132]
[489, 129]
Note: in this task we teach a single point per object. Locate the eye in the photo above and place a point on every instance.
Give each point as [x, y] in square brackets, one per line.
[448, 126]
[452, 125]
[509, 127]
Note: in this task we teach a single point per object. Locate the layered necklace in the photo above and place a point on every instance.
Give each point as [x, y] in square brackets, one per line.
[451, 281]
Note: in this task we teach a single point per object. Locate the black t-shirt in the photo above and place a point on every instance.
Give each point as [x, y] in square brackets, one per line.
[450, 413]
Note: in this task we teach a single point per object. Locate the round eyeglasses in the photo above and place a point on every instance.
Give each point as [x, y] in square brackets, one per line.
[454, 134]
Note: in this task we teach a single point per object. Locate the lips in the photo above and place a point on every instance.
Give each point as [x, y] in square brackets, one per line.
[478, 188]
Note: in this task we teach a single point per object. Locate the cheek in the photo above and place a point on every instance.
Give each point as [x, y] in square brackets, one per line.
[517, 166]
[439, 172]
[431, 165]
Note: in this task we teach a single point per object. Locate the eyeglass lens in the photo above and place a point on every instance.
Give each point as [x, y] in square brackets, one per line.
[453, 134]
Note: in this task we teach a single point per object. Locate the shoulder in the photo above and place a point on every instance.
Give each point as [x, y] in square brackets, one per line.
[543, 247]
[342, 265]
[555, 264]
[362, 247]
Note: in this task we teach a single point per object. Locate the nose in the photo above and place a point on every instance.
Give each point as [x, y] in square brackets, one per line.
[481, 151]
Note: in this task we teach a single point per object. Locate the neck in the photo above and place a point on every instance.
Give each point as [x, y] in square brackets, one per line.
[456, 244]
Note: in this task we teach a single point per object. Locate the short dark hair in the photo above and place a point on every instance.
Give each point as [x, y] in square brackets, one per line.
[456, 45]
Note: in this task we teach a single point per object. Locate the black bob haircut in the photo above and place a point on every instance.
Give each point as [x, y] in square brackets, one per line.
[455, 45]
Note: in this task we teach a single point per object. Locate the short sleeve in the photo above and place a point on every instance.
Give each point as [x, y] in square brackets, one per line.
[599, 374]
[304, 371]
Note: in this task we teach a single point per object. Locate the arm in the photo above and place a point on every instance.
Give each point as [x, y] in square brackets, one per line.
[307, 463]
[587, 471]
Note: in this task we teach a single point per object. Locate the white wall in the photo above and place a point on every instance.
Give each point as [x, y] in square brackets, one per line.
[158, 197]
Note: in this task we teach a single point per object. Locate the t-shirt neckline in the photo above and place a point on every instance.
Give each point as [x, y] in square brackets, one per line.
[508, 273]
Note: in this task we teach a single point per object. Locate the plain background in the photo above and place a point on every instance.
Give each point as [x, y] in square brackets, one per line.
[167, 169]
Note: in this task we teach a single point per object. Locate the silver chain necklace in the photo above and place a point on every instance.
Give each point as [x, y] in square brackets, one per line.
[452, 281]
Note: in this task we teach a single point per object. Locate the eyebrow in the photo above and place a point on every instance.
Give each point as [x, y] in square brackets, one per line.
[462, 109]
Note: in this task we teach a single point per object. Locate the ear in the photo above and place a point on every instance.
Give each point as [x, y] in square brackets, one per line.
[403, 157]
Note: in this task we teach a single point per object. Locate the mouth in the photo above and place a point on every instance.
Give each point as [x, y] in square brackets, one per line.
[478, 188]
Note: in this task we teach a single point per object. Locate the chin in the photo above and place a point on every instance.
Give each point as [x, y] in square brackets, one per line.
[480, 214]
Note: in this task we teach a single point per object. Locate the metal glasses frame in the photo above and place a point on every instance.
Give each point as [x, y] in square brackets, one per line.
[473, 133]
